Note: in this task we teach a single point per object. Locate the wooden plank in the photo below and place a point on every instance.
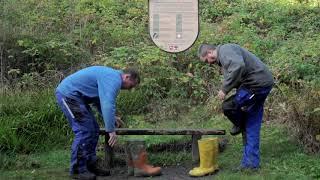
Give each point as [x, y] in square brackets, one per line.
[130, 131]
[195, 148]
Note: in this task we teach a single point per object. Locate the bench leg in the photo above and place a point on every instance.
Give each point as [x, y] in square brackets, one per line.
[108, 153]
[195, 148]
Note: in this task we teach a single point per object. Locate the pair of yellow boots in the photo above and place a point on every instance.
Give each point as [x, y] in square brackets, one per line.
[208, 150]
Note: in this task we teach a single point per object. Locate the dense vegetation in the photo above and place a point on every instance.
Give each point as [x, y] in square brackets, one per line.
[42, 41]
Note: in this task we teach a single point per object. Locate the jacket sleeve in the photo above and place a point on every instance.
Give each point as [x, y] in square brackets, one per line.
[108, 88]
[233, 69]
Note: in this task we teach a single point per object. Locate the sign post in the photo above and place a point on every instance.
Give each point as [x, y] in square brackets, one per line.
[174, 24]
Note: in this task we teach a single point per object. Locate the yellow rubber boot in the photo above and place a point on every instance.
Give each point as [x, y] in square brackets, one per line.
[215, 142]
[208, 150]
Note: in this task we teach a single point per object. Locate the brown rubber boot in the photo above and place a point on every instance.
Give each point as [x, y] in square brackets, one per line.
[141, 168]
[140, 160]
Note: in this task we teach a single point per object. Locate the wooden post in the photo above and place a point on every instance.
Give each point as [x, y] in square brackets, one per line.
[195, 148]
[108, 152]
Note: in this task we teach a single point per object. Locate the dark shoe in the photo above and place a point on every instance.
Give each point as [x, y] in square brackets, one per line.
[84, 176]
[223, 142]
[98, 171]
[235, 130]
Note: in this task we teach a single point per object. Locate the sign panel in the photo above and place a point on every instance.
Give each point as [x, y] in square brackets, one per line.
[173, 24]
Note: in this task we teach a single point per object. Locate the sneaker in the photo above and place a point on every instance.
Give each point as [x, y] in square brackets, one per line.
[235, 130]
[84, 176]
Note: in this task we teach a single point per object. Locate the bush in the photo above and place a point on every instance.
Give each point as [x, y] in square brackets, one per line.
[32, 122]
[132, 102]
[303, 64]
[303, 117]
[41, 46]
[168, 109]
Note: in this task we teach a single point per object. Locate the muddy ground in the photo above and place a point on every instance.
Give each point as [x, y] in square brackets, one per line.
[119, 167]
[168, 173]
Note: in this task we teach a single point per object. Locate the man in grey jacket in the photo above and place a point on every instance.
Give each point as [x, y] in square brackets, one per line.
[252, 79]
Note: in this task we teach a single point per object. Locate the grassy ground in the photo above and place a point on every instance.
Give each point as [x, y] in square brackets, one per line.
[280, 156]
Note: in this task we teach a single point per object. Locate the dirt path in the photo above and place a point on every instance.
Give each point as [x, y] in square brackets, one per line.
[168, 173]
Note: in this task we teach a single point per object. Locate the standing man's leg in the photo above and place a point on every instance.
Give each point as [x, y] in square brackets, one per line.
[81, 149]
[84, 126]
[251, 151]
[92, 142]
[92, 157]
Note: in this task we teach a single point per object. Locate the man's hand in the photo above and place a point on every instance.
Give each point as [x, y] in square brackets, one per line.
[221, 95]
[119, 122]
[112, 139]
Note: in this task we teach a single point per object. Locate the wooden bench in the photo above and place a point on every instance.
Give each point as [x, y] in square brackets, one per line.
[195, 134]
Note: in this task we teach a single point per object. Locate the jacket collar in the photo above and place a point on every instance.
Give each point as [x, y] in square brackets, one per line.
[218, 56]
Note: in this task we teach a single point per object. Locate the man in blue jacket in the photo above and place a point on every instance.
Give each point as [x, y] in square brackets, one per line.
[97, 85]
[253, 80]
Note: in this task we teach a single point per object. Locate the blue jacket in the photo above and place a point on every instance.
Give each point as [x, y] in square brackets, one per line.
[97, 84]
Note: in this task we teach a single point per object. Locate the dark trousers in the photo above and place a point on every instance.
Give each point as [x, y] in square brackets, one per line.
[245, 109]
[86, 130]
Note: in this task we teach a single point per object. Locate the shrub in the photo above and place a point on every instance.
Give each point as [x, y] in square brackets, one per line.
[32, 122]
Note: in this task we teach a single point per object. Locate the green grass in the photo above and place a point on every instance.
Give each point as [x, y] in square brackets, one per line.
[281, 157]
[31, 122]
[283, 33]
[39, 166]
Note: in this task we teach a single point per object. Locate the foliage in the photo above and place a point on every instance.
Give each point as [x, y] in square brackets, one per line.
[304, 117]
[281, 158]
[132, 102]
[30, 127]
[43, 40]
[166, 110]
[303, 64]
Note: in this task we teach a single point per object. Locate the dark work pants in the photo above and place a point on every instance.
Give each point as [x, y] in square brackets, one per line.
[245, 109]
[86, 130]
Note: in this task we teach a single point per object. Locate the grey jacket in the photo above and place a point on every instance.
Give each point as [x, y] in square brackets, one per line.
[242, 68]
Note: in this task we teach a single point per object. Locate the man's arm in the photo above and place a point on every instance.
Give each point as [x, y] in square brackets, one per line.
[119, 122]
[108, 90]
[234, 67]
